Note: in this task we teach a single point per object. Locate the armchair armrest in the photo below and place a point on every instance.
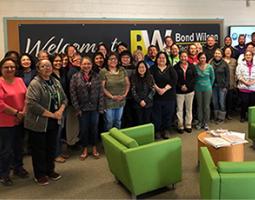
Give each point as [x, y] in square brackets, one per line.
[251, 122]
[143, 134]
[154, 165]
[209, 176]
[251, 114]
[236, 167]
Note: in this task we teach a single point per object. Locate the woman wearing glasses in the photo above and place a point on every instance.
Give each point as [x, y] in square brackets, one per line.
[12, 109]
[46, 102]
[116, 86]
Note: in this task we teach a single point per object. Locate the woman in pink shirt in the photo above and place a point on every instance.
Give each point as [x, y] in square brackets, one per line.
[12, 101]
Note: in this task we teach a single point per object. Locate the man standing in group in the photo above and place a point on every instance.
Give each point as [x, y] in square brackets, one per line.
[241, 44]
[210, 47]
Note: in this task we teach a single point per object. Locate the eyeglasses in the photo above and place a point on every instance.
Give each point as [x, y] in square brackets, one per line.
[9, 67]
[57, 60]
[112, 59]
[44, 66]
[78, 59]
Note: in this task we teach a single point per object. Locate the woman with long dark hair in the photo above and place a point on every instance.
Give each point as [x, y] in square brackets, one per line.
[164, 100]
[87, 98]
[142, 89]
[116, 85]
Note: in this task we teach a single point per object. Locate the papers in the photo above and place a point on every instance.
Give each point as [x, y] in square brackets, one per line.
[234, 139]
[218, 132]
[217, 142]
[224, 138]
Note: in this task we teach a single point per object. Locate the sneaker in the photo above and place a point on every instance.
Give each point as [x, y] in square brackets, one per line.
[21, 172]
[206, 127]
[55, 176]
[42, 181]
[6, 181]
[198, 126]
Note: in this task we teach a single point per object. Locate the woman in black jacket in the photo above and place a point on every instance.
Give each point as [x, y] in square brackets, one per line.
[185, 92]
[142, 89]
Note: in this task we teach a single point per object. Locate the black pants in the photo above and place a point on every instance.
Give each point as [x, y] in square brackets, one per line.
[43, 151]
[143, 115]
[162, 114]
[7, 135]
[247, 99]
[18, 147]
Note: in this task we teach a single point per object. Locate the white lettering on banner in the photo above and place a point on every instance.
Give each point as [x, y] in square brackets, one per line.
[156, 38]
[184, 38]
[204, 36]
[114, 44]
[57, 47]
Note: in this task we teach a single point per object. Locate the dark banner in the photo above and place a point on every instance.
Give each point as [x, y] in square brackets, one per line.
[55, 37]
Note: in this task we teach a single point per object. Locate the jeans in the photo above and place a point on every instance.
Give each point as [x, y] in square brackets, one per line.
[88, 122]
[113, 117]
[219, 98]
[188, 100]
[162, 114]
[43, 151]
[7, 135]
[203, 106]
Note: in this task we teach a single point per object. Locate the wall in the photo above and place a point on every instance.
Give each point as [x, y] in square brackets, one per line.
[234, 12]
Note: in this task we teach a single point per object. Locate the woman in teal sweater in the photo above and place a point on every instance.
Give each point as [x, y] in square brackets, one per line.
[203, 89]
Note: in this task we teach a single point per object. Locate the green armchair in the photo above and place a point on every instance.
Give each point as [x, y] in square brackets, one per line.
[140, 163]
[251, 123]
[230, 180]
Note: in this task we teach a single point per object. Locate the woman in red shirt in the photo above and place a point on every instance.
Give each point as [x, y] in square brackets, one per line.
[12, 101]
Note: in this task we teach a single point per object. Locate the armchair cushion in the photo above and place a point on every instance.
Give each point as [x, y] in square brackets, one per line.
[122, 138]
[236, 167]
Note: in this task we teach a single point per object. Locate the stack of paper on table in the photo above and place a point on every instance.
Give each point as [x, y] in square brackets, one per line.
[234, 139]
[217, 142]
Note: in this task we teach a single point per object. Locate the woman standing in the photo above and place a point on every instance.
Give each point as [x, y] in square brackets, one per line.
[220, 86]
[26, 68]
[46, 102]
[232, 95]
[142, 89]
[12, 109]
[164, 100]
[203, 89]
[245, 73]
[87, 98]
[59, 72]
[98, 62]
[126, 61]
[185, 92]
[116, 86]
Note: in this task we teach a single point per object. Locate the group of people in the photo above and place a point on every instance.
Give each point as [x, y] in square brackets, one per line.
[70, 97]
